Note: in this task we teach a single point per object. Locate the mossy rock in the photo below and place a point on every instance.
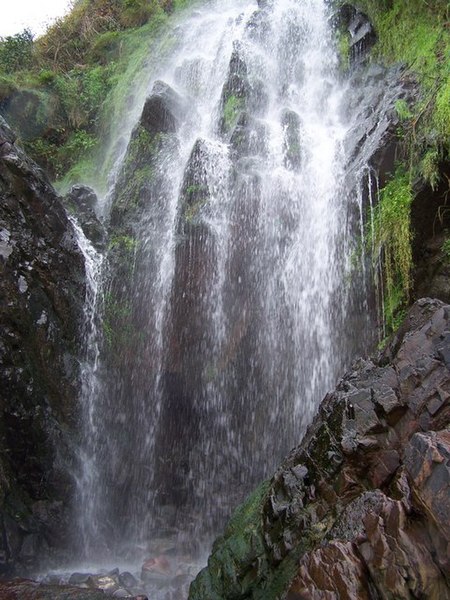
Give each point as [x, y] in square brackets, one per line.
[195, 192]
[235, 91]
[34, 113]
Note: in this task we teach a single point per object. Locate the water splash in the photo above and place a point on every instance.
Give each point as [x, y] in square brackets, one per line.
[86, 475]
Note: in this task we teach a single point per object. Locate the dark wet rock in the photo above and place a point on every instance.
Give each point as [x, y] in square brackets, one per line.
[79, 578]
[362, 37]
[122, 593]
[139, 177]
[107, 583]
[163, 110]
[195, 191]
[430, 223]
[82, 201]
[265, 3]
[258, 26]
[114, 583]
[359, 509]
[374, 141]
[248, 137]
[236, 90]
[42, 286]
[361, 32]
[292, 139]
[127, 580]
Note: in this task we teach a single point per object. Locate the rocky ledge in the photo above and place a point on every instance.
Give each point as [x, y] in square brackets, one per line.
[358, 511]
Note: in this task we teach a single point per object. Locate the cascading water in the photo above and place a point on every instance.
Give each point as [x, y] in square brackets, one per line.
[227, 309]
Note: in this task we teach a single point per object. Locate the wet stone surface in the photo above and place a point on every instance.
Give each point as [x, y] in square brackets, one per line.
[164, 575]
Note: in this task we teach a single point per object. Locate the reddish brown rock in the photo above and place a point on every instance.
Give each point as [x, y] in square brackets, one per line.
[361, 508]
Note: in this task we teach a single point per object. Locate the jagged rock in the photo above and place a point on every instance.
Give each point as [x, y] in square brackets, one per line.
[361, 32]
[82, 200]
[360, 509]
[362, 37]
[374, 141]
[195, 191]
[235, 91]
[42, 287]
[153, 136]
[163, 110]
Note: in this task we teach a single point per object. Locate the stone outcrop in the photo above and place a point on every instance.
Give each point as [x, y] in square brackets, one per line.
[82, 201]
[41, 301]
[360, 509]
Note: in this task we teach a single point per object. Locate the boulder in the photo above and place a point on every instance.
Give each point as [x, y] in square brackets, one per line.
[163, 110]
[139, 176]
[359, 509]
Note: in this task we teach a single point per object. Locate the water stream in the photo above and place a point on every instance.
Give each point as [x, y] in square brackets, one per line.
[238, 281]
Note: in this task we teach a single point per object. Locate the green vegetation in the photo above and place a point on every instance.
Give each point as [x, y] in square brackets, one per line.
[402, 110]
[125, 243]
[416, 34]
[445, 249]
[343, 43]
[16, 52]
[391, 243]
[231, 110]
[118, 327]
[83, 68]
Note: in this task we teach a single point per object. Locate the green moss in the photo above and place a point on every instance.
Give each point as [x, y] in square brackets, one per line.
[429, 167]
[402, 110]
[390, 241]
[249, 511]
[416, 34]
[441, 114]
[192, 211]
[343, 44]
[118, 329]
[445, 249]
[231, 110]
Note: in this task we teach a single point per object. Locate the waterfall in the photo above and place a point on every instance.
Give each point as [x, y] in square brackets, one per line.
[228, 310]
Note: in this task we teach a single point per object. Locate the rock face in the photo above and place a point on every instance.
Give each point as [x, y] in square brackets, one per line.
[82, 201]
[360, 509]
[41, 300]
